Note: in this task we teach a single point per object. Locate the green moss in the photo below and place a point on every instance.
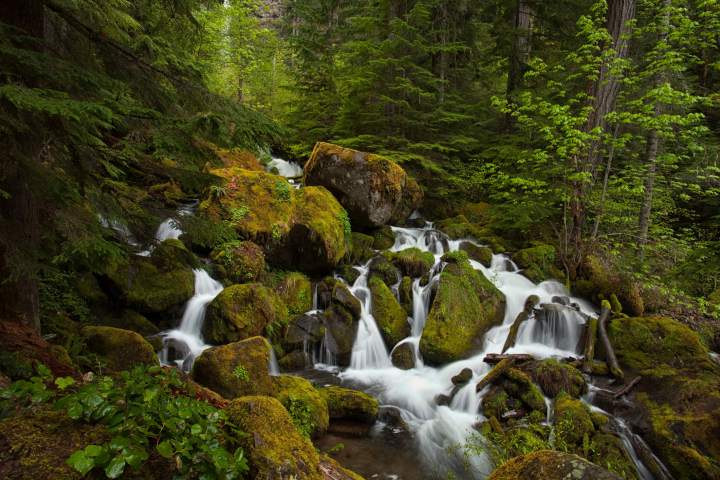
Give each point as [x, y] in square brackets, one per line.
[550, 465]
[295, 289]
[522, 387]
[274, 447]
[413, 262]
[573, 421]
[555, 377]
[406, 295]
[242, 311]
[347, 404]
[600, 280]
[383, 238]
[381, 267]
[241, 261]
[215, 366]
[478, 253]
[495, 403]
[362, 248]
[607, 450]
[538, 263]
[465, 307]
[306, 406]
[121, 349]
[389, 315]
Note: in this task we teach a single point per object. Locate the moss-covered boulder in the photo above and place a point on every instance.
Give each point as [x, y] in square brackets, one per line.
[305, 328]
[242, 311]
[361, 248]
[406, 295]
[349, 273]
[156, 284]
[477, 252]
[403, 356]
[555, 377]
[389, 315]
[550, 465]
[294, 361]
[241, 261]
[275, 448]
[306, 406]
[538, 263]
[465, 306]
[383, 238]
[460, 227]
[600, 280]
[413, 262]
[304, 229]
[573, 420]
[678, 396]
[341, 327]
[295, 290]
[374, 190]
[130, 320]
[380, 266]
[120, 349]
[236, 369]
[351, 411]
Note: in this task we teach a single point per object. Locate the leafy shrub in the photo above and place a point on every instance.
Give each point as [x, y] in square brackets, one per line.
[282, 190]
[345, 220]
[301, 415]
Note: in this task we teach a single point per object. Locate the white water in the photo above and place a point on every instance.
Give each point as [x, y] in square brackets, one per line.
[441, 431]
[285, 168]
[186, 340]
[169, 228]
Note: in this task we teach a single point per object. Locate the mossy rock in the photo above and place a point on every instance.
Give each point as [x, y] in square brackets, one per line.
[383, 238]
[347, 404]
[413, 262]
[600, 280]
[465, 306]
[236, 369]
[335, 471]
[157, 284]
[496, 403]
[406, 295]
[36, 444]
[522, 387]
[296, 360]
[242, 311]
[389, 315]
[121, 349]
[306, 406]
[373, 189]
[382, 267]
[555, 377]
[678, 397]
[607, 450]
[349, 273]
[573, 420]
[361, 248]
[295, 290]
[89, 289]
[241, 261]
[131, 320]
[307, 327]
[303, 229]
[538, 263]
[478, 253]
[403, 356]
[274, 447]
[550, 465]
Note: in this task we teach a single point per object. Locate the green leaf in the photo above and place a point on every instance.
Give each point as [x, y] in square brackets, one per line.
[135, 456]
[196, 429]
[165, 449]
[93, 451]
[64, 382]
[81, 462]
[115, 467]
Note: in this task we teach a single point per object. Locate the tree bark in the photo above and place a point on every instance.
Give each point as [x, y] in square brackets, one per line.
[502, 367]
[589, 350]
[521, 46]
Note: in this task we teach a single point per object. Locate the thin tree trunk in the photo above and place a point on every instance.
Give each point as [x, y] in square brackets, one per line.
[520, 52]
[646, 207]
[606, 179]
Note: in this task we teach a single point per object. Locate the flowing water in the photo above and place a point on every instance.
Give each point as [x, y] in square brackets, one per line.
[285, 169]
[439, 432]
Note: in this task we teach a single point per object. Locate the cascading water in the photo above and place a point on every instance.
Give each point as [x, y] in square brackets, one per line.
[284, 168]
[185, 343]
[440, 430]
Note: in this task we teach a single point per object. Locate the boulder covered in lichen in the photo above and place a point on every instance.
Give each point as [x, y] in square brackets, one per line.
[119, 349]
[236, 369]
[466, 306]
[242, 311]
[373, 189]
[274, 447]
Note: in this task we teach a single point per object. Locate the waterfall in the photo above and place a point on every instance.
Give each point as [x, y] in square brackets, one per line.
[285, 169]
[168, 229]
[369, 348]
[185, 343]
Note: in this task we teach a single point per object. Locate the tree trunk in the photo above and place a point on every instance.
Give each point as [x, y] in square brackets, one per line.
[612, 362]
[521, 46]
[19, 300]
[646, 207]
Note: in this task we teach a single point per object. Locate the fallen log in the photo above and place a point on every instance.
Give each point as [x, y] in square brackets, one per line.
[624, 390]
[612, 362]
[530, 303]
[493, 358]
[495, 373]
[589, 350]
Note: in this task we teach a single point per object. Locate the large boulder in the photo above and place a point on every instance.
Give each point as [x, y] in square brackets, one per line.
[538, 263]
[241, 261]
[340, 318]
[236, 369]
[413, 262]
[304, 403]
[678, 397]
[466, 306]
[305, 328]
[403, 356]
[373, 189]
[351, 411]
[305, 229]
[550, 465]
[120, 349]
[242, 311]
[555, 377]
[156, 284]
[275, 448]
[389, 315]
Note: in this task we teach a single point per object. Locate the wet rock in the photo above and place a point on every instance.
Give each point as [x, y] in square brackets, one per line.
[562, 300]
[538, 263]
[403, 356]
[242, 261]
[242, 311]
[302, 229]
[389, 315]
[465, 306]
[573, 420]
[294, 361]
[373, 189]
[121, 349]
[351, 411]
[381, 267]
[236, 369]
[361, 248]
[459, 227]
[307, 327]
[555, 377]
[341, 327]
[413, 262]
[463, 377]
[477, 252]
[332, 470]
[550, 465]
[392, 416]
[274, 447]
[348, 273]
[300, 397]
[443, 400]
